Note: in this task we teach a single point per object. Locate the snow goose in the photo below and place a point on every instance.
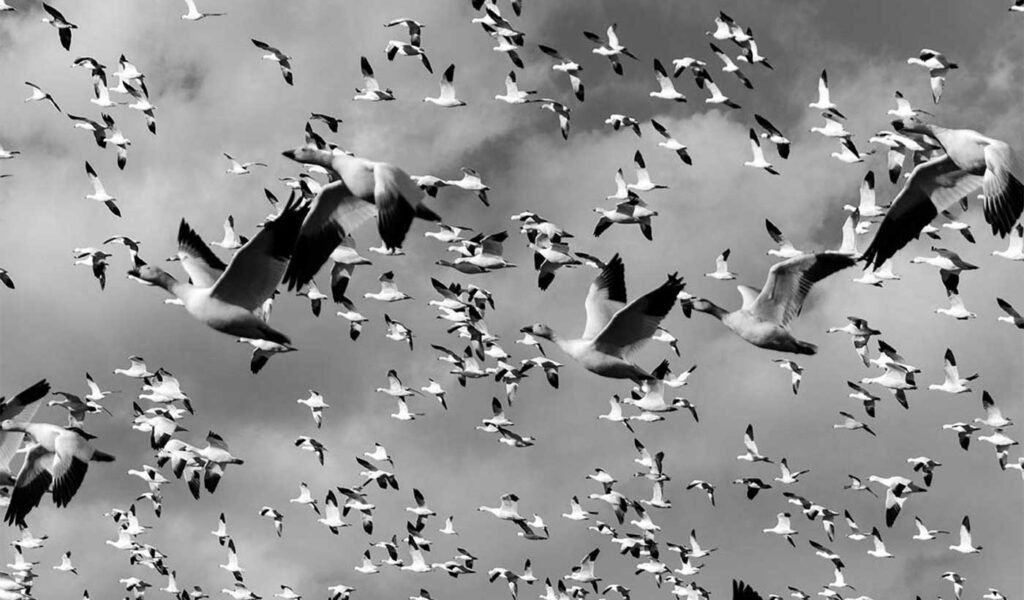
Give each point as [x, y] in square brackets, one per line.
[663, 335]
[993, 416]
[722, 272]
[61, 24]
[194, 14]
[56, 455]
[549, 256]
[938, 67]
[753, 485]
[96, 260]
[903, 108]
[704, 486]
[750, 52]
[969, 160]
[724, 27]
[867, 208]
[1015, 251]
[789, 477]
[114, 136]
[964, 431]
[471, 182]
[397, 331]
[1002, 444]
[508, 46]
[752, 455]
[1012, 316]
[773, 135]
[671, 143]
[275, 55]
[953, 384]
[923, 533]
[241, 168]
[848, 152]
[611, 49]
[730, 67]
[5, 278]
[366, 189]
[832, 128]
[483, 254]
[965, 546]
[561, 111]
[615, 329]
[99, 194]
[446, 98]
[99, 132]
[782, 527]
[956, 309]
[584, 572]
[758, 161]
[389, 291]
[65, 565]
[274, 514]
[764, 318]
[394, 48]
[620, 121]
[567, 66]
[796, 372]
[786, 248]
[667, 90]
[925, 465]
[514, 95]
[632, 210]
[304, 442]
[643, 178]
[717, 97]
[370, 92]
[228, 305]
[852, 424]
[824, 101]
[414, 27]
[305, 497]
[38, 95]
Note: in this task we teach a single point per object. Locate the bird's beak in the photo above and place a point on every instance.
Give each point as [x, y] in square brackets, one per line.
[525, 330]
[289, 154]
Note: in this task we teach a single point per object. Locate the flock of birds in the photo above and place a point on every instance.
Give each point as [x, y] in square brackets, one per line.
[338, 192]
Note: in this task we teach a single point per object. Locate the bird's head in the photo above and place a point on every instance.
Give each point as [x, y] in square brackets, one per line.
[11, 425]
[306, 154]
[910, 125]
[538, 330]
[149, 274]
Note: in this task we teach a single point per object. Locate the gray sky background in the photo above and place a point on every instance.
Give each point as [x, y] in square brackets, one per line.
[215, 95]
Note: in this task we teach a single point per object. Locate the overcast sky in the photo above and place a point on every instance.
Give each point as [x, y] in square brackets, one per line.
[215, 95]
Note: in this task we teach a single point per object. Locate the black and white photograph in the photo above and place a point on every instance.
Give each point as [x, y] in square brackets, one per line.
[556, 299]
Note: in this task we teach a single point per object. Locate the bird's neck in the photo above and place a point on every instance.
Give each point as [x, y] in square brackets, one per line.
[714, 310]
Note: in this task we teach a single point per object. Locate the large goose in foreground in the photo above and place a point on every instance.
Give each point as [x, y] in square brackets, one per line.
[615, 329]
[227, 301]
[969, 160]
[763, 319]
[56, 455]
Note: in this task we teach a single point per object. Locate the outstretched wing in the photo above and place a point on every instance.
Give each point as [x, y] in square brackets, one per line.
[606, 297]
[633, 326]
[257, 268]
[789, 282]
[934, 186]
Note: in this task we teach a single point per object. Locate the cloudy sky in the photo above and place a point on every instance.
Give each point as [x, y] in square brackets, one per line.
[215, 95]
